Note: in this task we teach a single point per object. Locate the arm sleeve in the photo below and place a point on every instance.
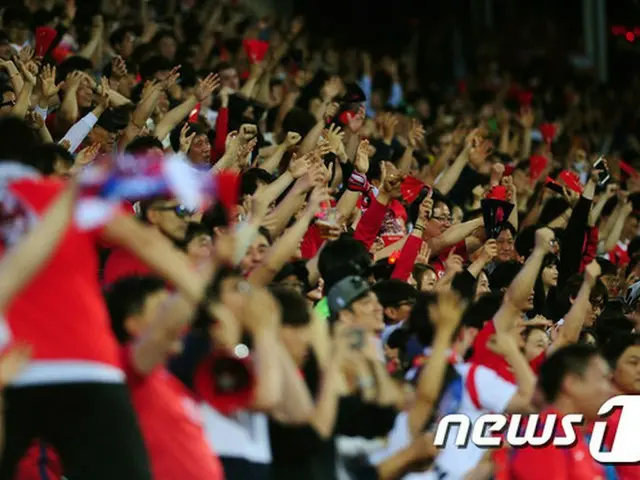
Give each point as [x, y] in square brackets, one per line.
[79, 131]
[570, 255]
[407, 258]
[370, 223]
[396, 95]
[494, 392]
[535, 463]
[591, 247]
[222, 127]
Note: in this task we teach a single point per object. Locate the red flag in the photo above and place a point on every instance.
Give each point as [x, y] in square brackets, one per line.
[548, 132]
[44, 38]
[498, 193]
[255, 49]
[537, 164]
[571, 180]
[411, 188]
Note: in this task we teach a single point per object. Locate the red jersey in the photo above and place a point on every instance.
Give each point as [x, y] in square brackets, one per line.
[122, 263]
[62, 313]
[170, 422]
[439, 263]
[574, 463]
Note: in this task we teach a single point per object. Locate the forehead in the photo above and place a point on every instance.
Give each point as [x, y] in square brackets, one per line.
[505, 234]
[440, 205]
[261, 241]
[631, 352]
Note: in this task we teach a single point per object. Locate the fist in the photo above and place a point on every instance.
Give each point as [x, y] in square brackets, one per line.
[592, 272]
[293, 138]
[490, 249]
[544, 238]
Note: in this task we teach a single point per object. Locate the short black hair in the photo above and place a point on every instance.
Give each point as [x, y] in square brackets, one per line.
[46, 155]
[249, 180]
[143, 144]
[504, 274]
[127, 297]
[617, 344]
[18, 141]
[343, 257]
[215, 216]
[264, 231]
[393, 292]
[119, 34]
[571, 288]
[153, 65]
[71, 64]
[295, 311]
[571, 360]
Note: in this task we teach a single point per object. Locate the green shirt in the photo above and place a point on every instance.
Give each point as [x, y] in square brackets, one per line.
[322, 309]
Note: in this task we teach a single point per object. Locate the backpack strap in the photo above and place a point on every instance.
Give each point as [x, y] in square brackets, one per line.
[470, 385]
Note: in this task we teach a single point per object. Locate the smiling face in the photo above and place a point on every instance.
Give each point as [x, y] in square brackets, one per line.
[440, 220]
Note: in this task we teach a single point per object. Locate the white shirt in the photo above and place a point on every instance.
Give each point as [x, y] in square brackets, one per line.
[244, 435]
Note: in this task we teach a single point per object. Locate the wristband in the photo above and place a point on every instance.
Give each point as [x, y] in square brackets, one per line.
[358, 182]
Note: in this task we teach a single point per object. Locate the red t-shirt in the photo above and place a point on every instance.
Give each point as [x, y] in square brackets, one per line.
[482, 355]
[122, 263]
[575, 463]
[62, 313]
[170, 422]
[440, 262]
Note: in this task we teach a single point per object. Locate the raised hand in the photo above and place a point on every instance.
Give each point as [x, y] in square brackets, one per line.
[446, 313]
[292, 139]
[424, 255]
[592, 272]
[186, 139]
[118, 68]
[26, 54]
[425, 210]
[497, 170]
[34, 120]
[391, 180]
[319, 196]
[362, 157]
[172, 79]
[331, 110]
[48, 85]
[28, 74]
[507, 182]
[544, 239]
[416, 134]
[387, 123]
[298, 166]
[527, 118]
[74, 79]
[87, 154]
[489, 250]
[454, 263]
[207, 86]
[247, 132]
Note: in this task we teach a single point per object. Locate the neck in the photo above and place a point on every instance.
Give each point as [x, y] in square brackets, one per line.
[565, 405]
[546, 289]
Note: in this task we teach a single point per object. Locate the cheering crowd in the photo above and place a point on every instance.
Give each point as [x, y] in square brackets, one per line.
[371, 255]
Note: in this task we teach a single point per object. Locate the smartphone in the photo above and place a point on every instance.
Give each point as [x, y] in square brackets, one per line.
[603, 173]
[356, 337]
[555, 187]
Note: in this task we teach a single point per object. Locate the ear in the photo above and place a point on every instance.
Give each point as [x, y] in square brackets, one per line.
[131, 326]
[390, 312]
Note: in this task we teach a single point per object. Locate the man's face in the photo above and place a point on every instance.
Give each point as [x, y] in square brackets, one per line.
[229, 78]
[366, 313]
[626, 375]
[103, 137]
[506, 250]
[255, 254]
[594, 388]
[137, 324]
[440, 220]
[596, 303]
[167, 47]
[200, 248]
[84, 95]
[630, 227]
[6, 51]
[200, 150]
[125, 49]
[400, 312]
[170, 218]
[8, 102]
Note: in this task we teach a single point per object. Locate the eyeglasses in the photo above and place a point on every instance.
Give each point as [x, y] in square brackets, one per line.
[180, 210]
[443, 219]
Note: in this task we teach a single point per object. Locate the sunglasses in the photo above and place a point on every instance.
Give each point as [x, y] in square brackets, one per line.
[180, 210]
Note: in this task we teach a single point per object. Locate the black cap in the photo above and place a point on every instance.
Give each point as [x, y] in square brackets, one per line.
[345, 292]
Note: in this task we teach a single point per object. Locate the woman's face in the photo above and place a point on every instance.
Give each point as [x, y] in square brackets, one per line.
[550, 276]
[482, 286]
[429, 281]
[536, 343]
